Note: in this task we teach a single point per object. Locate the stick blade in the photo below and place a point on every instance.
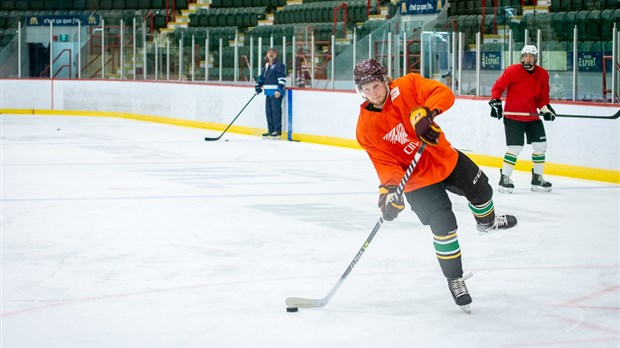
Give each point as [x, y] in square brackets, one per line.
[212, 139]
[305, 302]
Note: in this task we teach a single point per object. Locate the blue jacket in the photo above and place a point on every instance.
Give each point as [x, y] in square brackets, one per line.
[272, 78]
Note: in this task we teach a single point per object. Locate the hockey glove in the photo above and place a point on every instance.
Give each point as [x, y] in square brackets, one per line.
[258, 87]
[548, 113]
[496, 109]
[425, 128]
[389, 202]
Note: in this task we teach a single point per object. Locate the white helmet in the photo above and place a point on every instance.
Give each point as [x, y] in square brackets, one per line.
[529, 49]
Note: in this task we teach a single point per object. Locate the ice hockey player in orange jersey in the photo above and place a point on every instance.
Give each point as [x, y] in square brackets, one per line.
[396, 117]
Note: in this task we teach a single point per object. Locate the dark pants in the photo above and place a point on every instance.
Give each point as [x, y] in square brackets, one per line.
[467, 180]
[434, 208]
[273, 110]
[534, 132]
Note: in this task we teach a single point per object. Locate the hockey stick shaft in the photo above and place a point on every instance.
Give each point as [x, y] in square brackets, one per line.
[610, 117]
[233, 121]
[317, 303]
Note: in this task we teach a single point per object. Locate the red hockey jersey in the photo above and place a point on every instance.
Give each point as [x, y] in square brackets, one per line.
[526, 93]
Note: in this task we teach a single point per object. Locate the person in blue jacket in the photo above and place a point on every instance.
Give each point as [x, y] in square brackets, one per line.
[272, 79]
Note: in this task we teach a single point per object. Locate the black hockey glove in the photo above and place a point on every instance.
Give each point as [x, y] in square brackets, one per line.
[548, 113]
[425, 128]
[258, 87]
[389, 202]
[496, 109]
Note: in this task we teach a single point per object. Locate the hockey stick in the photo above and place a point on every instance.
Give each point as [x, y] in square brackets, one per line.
[296, 302]
[233, 121]
[611, 117]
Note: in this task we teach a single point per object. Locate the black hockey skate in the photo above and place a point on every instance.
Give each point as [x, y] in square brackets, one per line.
[502, 222]
[505, 184]
[539, 184]
[459, 292]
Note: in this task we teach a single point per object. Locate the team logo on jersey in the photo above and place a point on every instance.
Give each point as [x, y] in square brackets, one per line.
[398, 134]
[394, 93]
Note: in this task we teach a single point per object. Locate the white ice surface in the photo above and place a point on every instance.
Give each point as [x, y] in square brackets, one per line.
[119, 233]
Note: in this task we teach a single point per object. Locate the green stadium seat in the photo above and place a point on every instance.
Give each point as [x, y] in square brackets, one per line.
[139, 15]
[158, 4]
[105, 4]
[92, 5]
[558, 25]
[221, 17]
[119, 4]
[608, 47]
[159, 18]
[607, 24]
[585, 46]
[203, 16]
[593, 25]
[37, 5]
[64, 5]
[231, 16]
[22, 5]
[563, 46]
[517, 31]
[569, 24]
[578, 5]
[244, 16]
[567, 5]
[582, 23]
[51, 5]
[15, 16]
[7, 5]
[132, 4]
[4, 16]
[213, 17]
[80, 4]
[114, 17]
[181, 5]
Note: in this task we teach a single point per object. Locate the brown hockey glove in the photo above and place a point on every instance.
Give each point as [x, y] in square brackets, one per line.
[425, 128]
[390, 203]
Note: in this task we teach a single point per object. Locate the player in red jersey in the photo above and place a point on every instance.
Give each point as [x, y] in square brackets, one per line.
[527, 88]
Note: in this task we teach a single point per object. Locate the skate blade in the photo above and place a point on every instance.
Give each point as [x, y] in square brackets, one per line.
[536, 188]
[505, 190]
[466, 309]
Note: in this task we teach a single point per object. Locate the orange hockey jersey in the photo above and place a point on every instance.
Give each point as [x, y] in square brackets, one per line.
[390, 140]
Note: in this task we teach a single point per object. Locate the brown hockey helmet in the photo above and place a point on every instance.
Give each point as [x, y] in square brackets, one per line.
[368, 70]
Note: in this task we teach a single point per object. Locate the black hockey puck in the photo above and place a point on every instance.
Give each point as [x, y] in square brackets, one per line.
[292, 309]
